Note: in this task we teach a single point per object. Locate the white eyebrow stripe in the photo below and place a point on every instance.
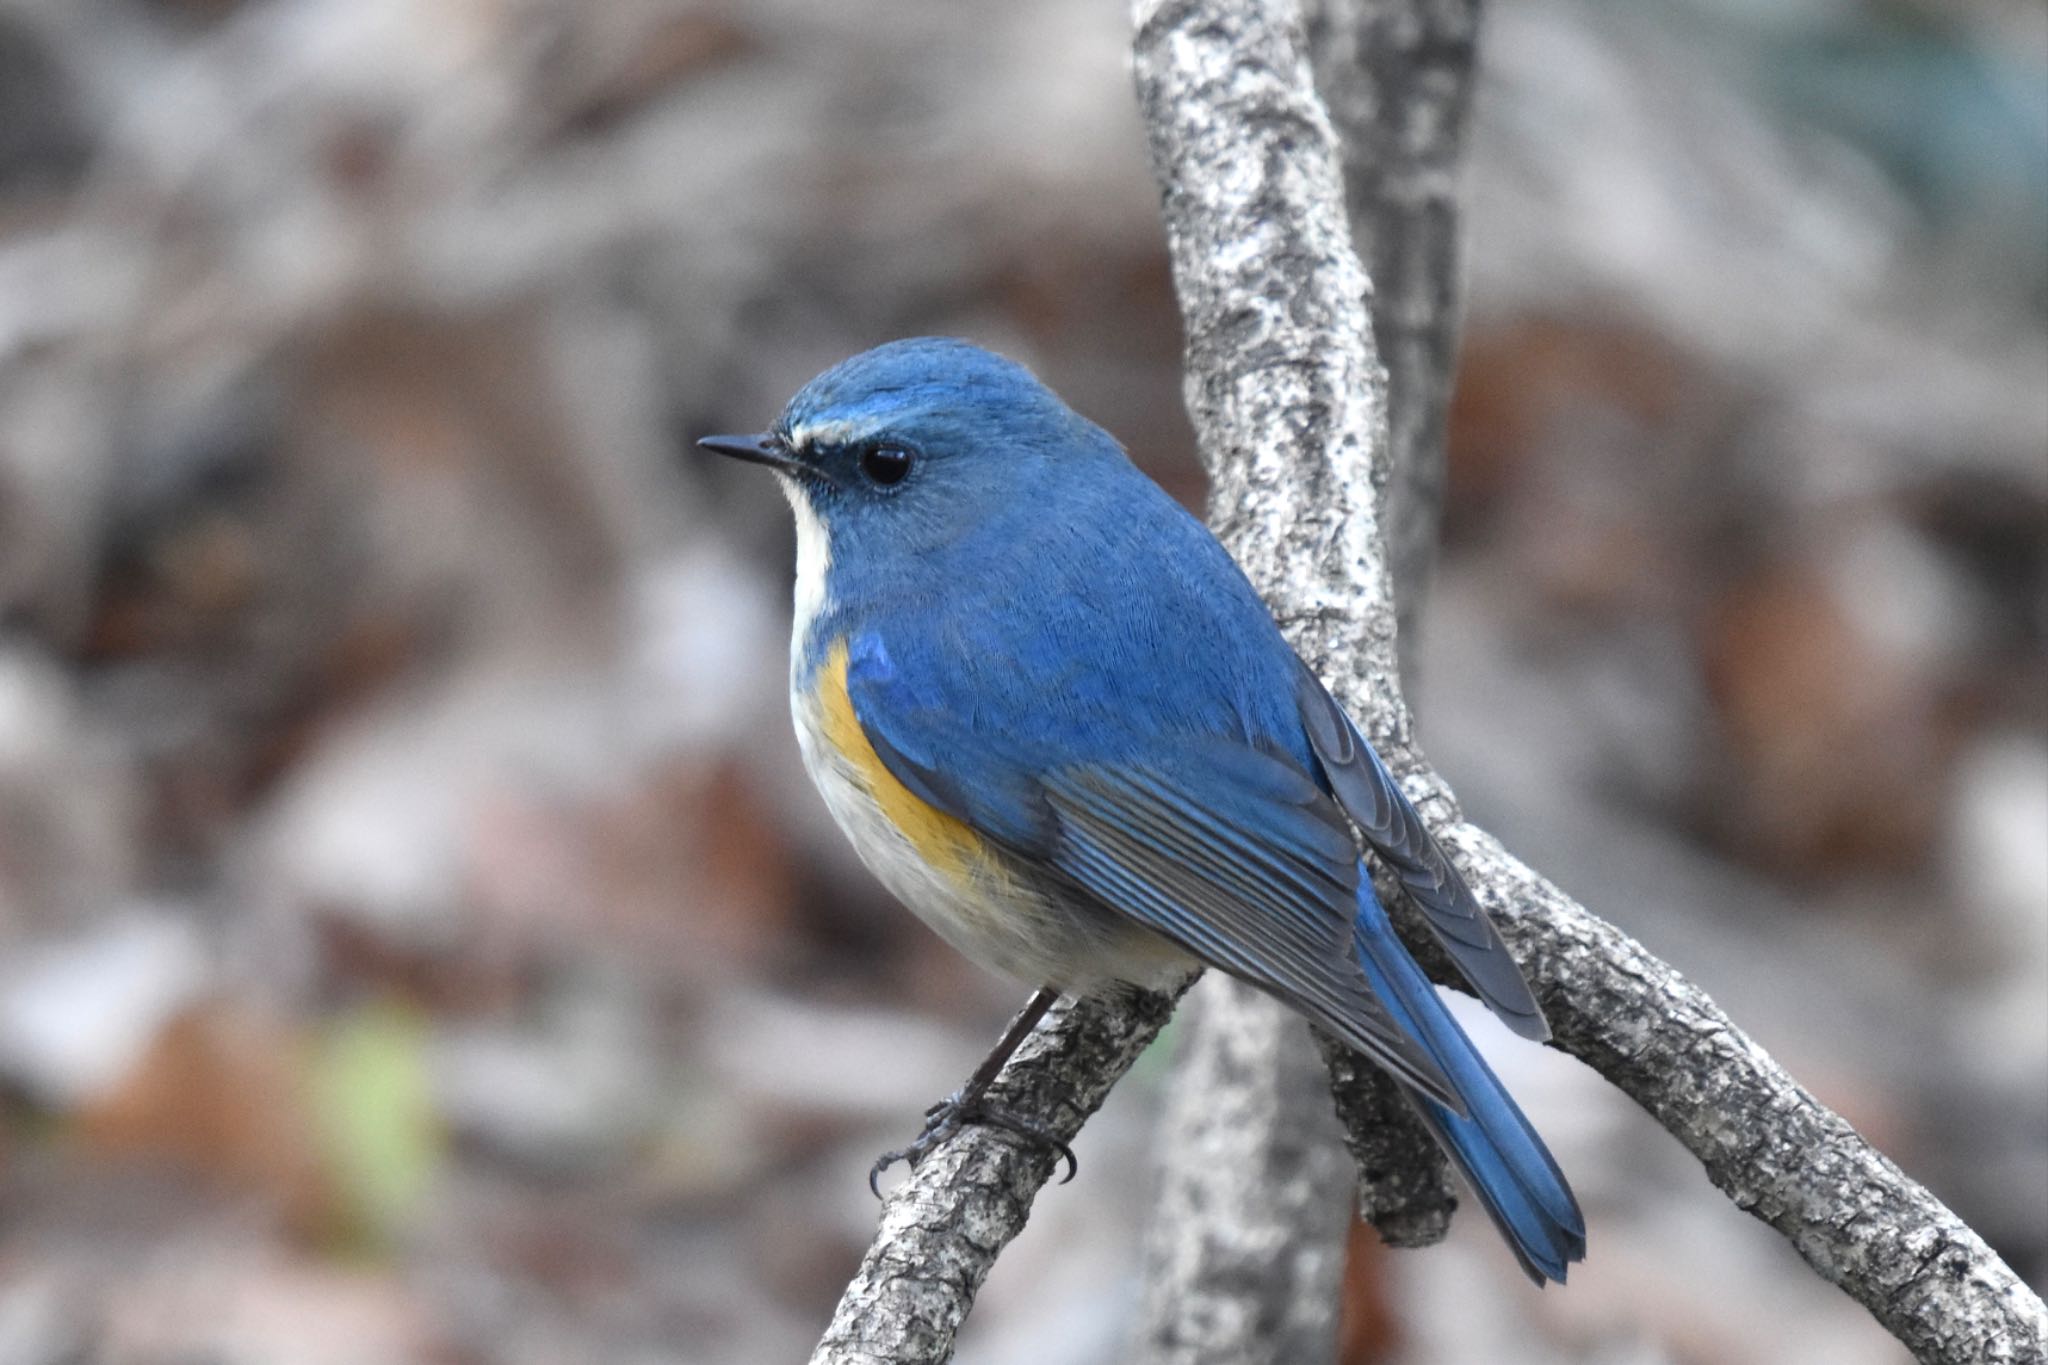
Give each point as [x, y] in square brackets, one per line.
[829, 433]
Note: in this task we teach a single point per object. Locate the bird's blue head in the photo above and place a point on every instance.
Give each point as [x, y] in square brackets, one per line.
[912, 445]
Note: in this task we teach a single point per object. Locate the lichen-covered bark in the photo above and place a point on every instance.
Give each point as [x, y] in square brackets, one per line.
[1245, 1250]
[942, 1228]
[1774, 1150]
[1396, 76]
[1283, 383]
[1236, 1241]
[1287, 401]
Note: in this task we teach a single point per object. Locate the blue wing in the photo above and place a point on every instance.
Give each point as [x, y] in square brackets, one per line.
[1231, 852]
[1370, 797]
[1240, 857]
[1156, 747]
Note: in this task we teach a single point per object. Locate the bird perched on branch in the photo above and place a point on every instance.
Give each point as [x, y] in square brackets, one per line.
[1057, 722]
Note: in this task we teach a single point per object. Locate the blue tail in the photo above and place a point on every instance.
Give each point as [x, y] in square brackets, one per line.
[1502, 1158]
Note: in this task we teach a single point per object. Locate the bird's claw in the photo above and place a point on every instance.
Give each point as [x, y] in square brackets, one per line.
[949, 1116]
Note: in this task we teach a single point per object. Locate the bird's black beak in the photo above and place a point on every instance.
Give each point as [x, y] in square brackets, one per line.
[765, 448]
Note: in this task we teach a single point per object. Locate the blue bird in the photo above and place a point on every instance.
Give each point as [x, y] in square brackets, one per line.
[1057, 722]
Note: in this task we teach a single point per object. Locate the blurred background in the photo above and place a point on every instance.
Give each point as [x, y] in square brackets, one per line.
[418, 942]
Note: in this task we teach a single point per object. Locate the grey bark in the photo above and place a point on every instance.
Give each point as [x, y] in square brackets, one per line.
[1287, 402]
[1244, 1252]
[942, 1228]
[1396, 77]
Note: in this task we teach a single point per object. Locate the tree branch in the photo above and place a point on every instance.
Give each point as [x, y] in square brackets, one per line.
[1287, 401]
[942, 1228]
[1397, 78]
[1245, 1252]
[1283, 392]
[1246, 1240]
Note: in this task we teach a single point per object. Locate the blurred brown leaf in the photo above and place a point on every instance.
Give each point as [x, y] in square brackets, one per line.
[1832, 748]
[1368, 1321]
[222, 1094]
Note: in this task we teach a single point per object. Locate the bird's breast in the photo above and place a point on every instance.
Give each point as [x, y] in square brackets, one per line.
[984, 903]
[855, 782]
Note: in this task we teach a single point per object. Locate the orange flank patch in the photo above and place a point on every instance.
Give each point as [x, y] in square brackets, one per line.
[946, 843]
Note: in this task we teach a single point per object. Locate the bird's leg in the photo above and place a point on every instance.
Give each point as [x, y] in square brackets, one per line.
[967, 1104]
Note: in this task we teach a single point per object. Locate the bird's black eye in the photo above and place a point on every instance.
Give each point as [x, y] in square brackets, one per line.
[885, 465]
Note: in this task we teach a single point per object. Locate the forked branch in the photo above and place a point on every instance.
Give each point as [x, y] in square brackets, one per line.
[1288, 402]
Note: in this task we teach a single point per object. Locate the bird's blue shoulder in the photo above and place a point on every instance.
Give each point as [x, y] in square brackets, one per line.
[1082, 622]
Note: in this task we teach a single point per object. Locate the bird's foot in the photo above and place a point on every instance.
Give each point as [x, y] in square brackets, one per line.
[955, 1112]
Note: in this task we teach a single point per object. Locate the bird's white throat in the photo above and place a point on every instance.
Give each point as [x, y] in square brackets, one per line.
[813, 564]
